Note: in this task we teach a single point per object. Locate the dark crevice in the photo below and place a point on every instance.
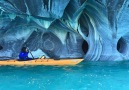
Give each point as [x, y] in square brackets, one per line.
[99, 2]
[46, 2]
[81, 1]
[1, 47]
[118, 46]
[50, 5]
[85, 46]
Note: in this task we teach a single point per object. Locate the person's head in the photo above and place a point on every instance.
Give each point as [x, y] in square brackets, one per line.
[24, 49]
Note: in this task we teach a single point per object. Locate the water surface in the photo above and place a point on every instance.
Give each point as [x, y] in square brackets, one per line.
[84, 76]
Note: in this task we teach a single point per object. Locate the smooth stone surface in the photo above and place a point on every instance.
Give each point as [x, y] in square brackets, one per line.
[60, 28]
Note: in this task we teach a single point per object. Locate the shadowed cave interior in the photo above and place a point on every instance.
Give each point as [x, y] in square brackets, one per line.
[85, 46]
[122, 46]
[1, 47]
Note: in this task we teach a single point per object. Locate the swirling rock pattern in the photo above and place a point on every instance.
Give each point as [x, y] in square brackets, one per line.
[92, 29]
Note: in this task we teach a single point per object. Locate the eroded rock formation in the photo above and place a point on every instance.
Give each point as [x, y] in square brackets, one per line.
[93, 29]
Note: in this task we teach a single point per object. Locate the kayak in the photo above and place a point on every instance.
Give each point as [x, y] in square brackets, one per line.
[44, 61]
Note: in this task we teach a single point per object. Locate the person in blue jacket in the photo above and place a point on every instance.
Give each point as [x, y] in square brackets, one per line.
[23, 56]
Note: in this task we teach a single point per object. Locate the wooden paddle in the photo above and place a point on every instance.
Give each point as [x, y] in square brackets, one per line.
[31, 54]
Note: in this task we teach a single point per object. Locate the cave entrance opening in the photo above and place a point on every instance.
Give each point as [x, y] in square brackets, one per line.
[122, 46]
[85, 46]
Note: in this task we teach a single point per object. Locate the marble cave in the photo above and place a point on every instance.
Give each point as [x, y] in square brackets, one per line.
[96, 30]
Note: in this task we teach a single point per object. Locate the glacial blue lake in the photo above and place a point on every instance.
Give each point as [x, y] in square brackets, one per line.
[84, 76]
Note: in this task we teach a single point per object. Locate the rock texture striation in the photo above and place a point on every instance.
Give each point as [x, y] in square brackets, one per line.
[92, 29]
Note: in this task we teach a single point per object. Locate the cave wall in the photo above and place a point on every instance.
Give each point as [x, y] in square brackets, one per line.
[92, 29]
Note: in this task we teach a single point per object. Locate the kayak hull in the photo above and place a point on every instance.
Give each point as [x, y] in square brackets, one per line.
[60, 62]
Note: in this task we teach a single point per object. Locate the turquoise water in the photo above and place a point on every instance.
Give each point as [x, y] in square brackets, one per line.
[85, 76]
